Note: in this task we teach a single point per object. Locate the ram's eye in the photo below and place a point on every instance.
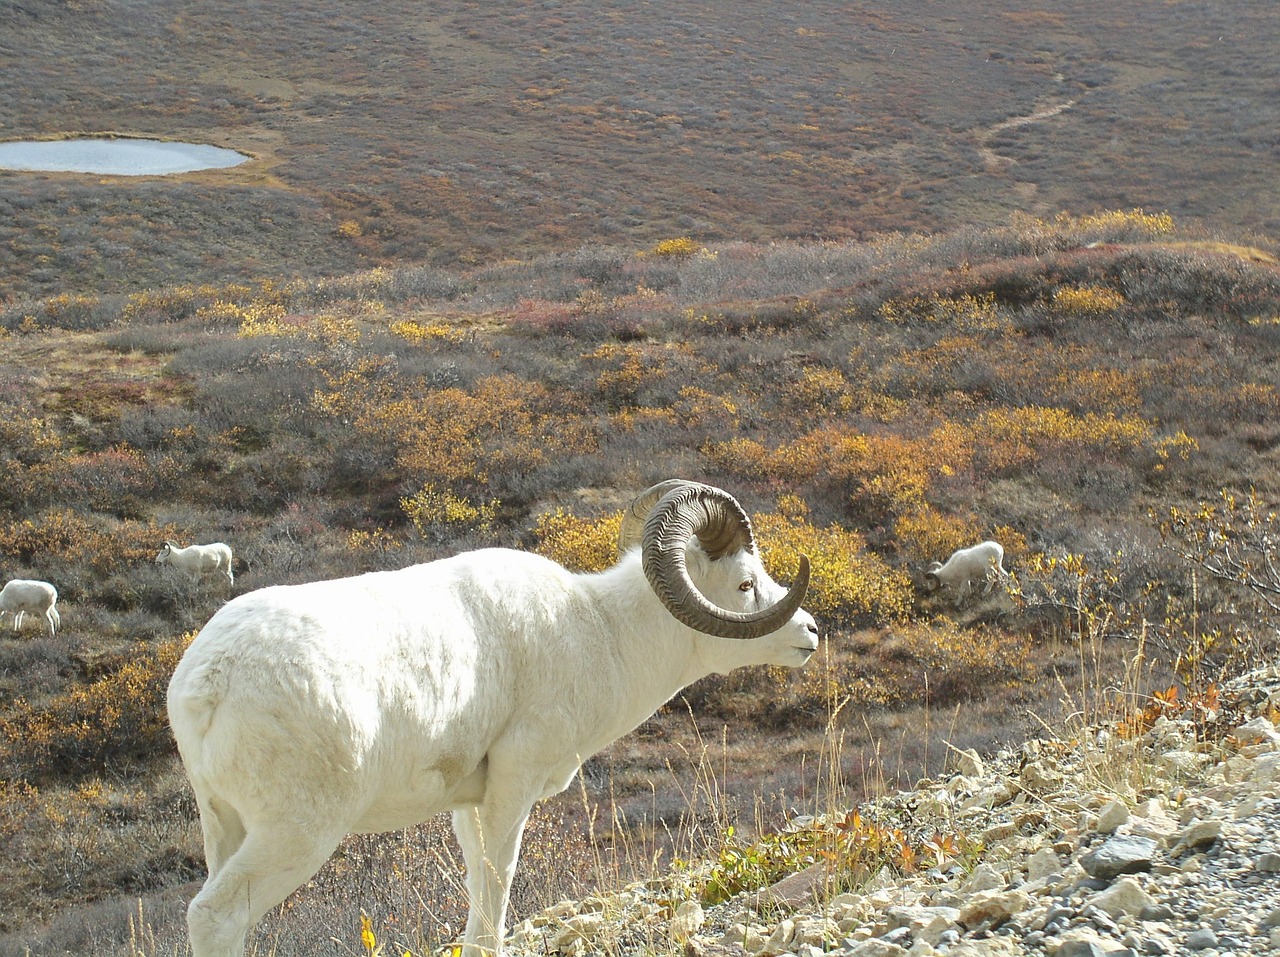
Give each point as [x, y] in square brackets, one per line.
[747, 585]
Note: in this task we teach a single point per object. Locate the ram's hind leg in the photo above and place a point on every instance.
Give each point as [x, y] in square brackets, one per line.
[223, 831]
[268, 866]
[490, 837]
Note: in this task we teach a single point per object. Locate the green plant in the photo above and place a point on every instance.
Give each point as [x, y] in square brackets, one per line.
[849, 847]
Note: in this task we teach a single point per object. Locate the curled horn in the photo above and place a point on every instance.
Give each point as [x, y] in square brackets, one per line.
[631, 534]
[684, 510]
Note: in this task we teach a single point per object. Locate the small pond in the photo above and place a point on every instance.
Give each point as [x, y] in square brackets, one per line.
[117, 157]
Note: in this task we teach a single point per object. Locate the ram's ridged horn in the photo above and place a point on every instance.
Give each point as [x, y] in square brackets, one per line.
[686, 509]
[632, 531]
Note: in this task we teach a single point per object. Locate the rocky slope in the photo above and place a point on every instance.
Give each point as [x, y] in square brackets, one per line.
[1167, 842]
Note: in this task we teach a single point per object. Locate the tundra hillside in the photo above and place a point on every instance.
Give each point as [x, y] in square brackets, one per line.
[465, 132]
[1097, 393]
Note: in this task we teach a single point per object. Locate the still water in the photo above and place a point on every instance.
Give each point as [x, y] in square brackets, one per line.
[115, 157]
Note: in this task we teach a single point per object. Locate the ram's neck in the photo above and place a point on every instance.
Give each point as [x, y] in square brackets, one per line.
[646, 656]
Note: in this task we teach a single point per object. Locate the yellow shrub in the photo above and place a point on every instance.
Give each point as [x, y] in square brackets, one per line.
[118, 717]
[700, 409]
[453, 435]
[1087, 301]
[379, 540]
[411, 330]
[1014, 436]
[624, 369]
[432, 508]
[847, 583]
[680, 248]
[579, 544]
[174, 302]
[819, 391]
[29, 437]
[744, 457]
[969, 313]
[263, 319]
[221, 312]
[1111, 389]
[69, 307]
[1148, 224]
[925, 534]
[18, 801]
[630, 419]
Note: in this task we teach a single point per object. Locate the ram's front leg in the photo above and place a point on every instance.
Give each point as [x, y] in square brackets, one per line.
[490, 837]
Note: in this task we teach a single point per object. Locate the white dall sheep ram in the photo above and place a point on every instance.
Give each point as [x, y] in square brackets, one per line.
[476, 684]
[196, 561]
[22, 597]
[980, 565]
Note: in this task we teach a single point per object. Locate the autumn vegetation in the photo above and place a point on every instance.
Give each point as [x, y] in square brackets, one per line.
[1094, 391]
[899, 279]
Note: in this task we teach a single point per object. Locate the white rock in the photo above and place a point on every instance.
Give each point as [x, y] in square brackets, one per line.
[1179, 763]
[984, 878]
[687, 921]
[1266, 769]
[1042, 864]
[1257, 731]
[969, 763]
[1040, 776]
[1111, 816]
[874, 948]
[993, 907]
[734, 935]
[814, 931]
[918, 917]
[577, 930]
[780, 939]
[1125, 896]
[1197, 836]
[995, 795]
[932, 932]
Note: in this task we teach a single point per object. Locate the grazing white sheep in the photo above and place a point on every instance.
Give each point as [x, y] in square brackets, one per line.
[476, 684]
[967, 569]
[22, 597]
[196, 561]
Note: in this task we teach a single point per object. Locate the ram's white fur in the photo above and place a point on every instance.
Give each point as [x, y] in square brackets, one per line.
[196, 561]
[476, 684]
[23, 596]
[980, 565]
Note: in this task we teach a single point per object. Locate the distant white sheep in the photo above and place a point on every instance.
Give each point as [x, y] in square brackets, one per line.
[967, 569]
[22, 597]
[196, 561]
[476, 684]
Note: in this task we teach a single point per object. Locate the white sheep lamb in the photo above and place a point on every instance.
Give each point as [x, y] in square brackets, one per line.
[197, 561]
[980, 565]
[22, 597]
[476, 684]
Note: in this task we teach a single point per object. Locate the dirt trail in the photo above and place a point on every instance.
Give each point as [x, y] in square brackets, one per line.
[992, 160]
